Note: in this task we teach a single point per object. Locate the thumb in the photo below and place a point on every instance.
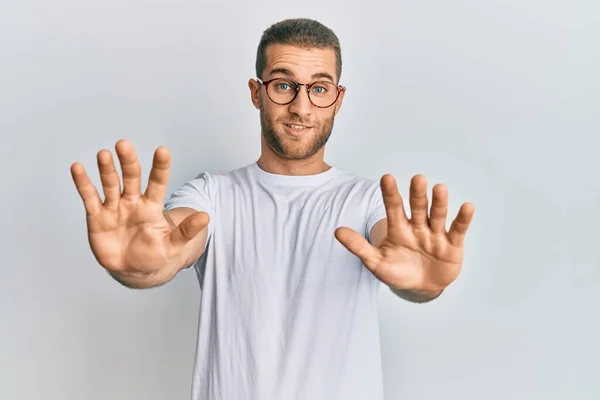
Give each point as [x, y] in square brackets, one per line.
[189, 228]
[359, 246]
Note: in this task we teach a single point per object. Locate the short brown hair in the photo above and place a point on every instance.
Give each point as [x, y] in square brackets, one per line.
[301, 32]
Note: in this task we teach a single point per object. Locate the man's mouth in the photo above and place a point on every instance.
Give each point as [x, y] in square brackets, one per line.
[297, 126]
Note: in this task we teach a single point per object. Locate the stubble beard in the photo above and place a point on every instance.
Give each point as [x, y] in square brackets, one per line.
[292, 148]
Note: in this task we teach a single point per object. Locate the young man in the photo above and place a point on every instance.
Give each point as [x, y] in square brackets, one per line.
[289, 251]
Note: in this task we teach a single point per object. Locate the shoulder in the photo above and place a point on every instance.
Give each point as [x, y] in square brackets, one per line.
[215, 177]
[360, 183]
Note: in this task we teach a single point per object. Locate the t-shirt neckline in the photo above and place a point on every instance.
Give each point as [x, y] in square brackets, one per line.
[293, 180]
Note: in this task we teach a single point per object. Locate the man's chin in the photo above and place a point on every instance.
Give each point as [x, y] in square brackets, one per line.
[293, 150]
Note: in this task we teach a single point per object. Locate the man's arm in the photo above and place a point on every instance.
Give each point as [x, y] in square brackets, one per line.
[378, 233]
[191, 252]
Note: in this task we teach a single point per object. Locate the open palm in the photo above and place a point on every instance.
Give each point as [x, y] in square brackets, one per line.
[418, 253]
[128, 232]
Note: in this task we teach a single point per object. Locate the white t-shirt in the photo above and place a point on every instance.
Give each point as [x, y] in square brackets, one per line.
[286, 311]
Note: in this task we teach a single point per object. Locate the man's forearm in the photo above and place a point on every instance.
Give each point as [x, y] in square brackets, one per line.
[415, 296]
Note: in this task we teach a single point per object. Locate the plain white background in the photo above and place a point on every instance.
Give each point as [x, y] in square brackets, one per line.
[498, 99]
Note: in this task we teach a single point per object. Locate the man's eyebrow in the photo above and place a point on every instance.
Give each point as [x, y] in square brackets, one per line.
[284, 71]
[323, 75]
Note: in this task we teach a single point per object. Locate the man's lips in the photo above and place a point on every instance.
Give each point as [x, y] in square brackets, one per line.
[297, 126]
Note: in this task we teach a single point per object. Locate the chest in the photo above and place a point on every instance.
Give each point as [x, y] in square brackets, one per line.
[288, 236]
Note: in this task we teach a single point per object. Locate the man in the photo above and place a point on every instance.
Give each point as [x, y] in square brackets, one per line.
[290, 252]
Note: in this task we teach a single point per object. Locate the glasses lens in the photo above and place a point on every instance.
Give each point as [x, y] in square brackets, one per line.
[282, 91]
[323, 94]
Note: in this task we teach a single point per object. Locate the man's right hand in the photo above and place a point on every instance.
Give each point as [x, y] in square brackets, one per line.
[129, 234]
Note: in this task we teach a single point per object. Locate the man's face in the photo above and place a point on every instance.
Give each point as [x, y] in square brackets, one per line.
[297, 130]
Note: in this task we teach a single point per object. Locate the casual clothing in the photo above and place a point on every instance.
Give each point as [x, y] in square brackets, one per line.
[286, 311]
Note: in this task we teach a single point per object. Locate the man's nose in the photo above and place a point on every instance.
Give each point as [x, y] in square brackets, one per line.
[301, 104]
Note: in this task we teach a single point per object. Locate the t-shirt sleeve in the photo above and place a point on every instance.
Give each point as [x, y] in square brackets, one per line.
[376, 210]
[194, 194]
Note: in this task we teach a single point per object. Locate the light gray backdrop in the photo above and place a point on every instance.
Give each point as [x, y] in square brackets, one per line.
[498, 99]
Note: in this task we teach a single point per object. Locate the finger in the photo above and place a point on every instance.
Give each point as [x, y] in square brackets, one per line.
[130, 166]
[439, 209]
[159, 176]
[461, 224]
[189, 228]
[85, 188]
[109, 177]
[394, 207]
[359, 246]
[418, 201]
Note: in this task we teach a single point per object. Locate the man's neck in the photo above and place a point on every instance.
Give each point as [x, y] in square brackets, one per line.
[311, 166]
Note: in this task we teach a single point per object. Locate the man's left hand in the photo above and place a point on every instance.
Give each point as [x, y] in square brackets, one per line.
[416, 254]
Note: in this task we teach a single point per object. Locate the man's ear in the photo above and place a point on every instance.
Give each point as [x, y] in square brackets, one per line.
[338, 103]
[336, 108]
[254, 87]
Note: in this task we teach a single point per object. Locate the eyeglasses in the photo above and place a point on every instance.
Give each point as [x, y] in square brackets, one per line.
[283, 91]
